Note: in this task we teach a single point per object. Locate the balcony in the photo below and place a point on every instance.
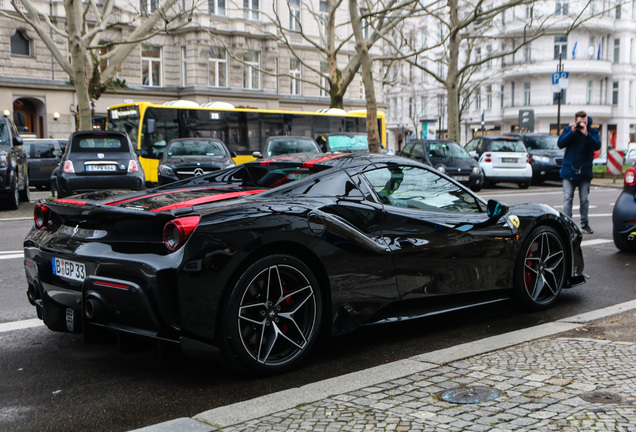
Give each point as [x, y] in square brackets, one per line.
[520, 69]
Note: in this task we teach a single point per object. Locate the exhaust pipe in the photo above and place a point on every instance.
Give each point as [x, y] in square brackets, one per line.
[32, 294]
[93, 306]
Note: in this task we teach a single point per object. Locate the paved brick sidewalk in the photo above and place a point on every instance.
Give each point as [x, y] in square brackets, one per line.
[546, 378]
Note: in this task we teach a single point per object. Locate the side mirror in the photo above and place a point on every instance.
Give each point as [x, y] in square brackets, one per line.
[18, 141]
[495, 210]
[257, 155]
[233, 154]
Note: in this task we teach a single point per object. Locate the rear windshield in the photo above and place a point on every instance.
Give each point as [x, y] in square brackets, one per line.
[280, 146]
[99, 143]
[346, 142]
[214, 148]
[507, 146]
[547, 142]
[447, 150]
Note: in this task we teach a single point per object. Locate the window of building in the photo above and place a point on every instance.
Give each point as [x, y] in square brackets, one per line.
[618, 9]
[294, 15]
[562, 7]
[555, 97]
[588, 97]
[560, 47]
[615, 93]
[149, 6]
[20, 44]
[489, 56]
[527, 52]
[251, 74]
[364, 23]
[294, 80]
[216, 7]
[324, 15]
[477, 99]
[251, 9]
[631, 94]
[423, 106]
[151, 65]
[489, 97]
[410, 107]
[512, 94]
[529, 10]
[526, 94]
[184, 67]
[617, 50]
[591, 50]
[324, 82]
[217, 62]
[631, 48]
[477, 55]
[501, 101]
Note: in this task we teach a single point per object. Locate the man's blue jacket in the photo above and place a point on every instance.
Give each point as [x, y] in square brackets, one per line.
[579, 153]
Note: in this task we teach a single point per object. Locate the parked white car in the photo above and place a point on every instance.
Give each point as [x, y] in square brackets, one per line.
[502, 159]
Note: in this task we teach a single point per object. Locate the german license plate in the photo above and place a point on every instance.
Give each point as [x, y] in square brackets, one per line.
[461, 178]
[101, 168]
[69, 269]
[509, 160]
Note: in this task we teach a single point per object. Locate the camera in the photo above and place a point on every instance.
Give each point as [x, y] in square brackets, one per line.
[580, 126]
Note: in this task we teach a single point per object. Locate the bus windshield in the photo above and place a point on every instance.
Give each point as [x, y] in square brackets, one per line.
[125, 119]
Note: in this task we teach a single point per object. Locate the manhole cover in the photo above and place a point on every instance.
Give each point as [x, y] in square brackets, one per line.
[466, 395]
[601, 397]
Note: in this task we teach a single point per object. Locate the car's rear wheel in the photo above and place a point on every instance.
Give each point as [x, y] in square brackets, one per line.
[271, 318]
[623, 244]
[13, 199]
[524, 185]
[540, 270]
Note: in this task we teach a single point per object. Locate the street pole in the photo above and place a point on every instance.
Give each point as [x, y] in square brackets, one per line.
[559, 69]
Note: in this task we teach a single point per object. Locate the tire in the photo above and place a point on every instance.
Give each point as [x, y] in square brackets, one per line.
[271, 318]
[13, 198]
[621, 242]
[540, 269]
[524, 185]
[475, 188]
[25, 194]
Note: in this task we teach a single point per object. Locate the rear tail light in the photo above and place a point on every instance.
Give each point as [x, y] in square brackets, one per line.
[527, 158]
[630, 177]
[132, 166]
[68, 167]
[177, 231]
[488, 157]
[41, 216]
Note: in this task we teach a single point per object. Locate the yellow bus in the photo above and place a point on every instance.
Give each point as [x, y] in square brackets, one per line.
[243, 130]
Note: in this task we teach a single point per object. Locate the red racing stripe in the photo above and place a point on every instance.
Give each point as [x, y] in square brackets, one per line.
[310, 164]
[168, 192]
[69, 201]
[208, 199]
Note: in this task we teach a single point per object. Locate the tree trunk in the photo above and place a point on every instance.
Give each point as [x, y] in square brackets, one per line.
[452, 76]
[78, 50]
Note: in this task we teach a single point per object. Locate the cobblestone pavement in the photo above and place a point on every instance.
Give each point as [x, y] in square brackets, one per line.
[542, 386]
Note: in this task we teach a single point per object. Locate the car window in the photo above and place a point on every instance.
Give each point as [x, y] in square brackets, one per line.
[408, 150]
[418, 150]
[212, 148]
[418, 188]
[290, 145]
[506, 146]
[545, 142]
[41, 150]
[99, 144]
[4, 133]
[471, 146]
[446, 149]
[348, 142]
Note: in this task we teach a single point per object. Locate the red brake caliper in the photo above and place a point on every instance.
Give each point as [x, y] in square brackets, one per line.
[527, 273]
[287, 302]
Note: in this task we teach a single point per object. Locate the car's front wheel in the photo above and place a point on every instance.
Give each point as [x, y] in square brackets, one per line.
[271, 318]
[540, 270]
[13, 199]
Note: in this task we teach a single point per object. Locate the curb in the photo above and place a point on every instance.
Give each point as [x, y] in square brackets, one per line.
[240, 412]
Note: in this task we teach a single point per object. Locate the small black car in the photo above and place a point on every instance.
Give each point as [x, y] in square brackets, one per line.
[191, 157]
[449, 158]
[546, 157]
[14, 169]
[97, 160]
[624, 214]
[44, 156]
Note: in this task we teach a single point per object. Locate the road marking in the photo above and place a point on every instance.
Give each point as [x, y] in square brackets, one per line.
[594, 242]
[11, 254]
[20, 325]
[16, 219]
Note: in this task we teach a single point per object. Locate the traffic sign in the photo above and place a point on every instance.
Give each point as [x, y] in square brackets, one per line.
[560, 81]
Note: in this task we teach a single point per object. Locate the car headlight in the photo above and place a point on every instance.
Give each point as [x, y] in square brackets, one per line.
[542, 159]
[476, 170]
[165, 170]
[4, 161]
[441, 169]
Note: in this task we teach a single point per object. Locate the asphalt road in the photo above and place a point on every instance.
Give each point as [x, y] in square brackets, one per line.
[55, 382]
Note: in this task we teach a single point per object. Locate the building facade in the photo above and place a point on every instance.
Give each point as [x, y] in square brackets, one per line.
[226, 53]
[516, 91]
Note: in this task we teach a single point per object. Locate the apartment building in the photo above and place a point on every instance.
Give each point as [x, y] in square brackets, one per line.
[205, 60]
[516, 91]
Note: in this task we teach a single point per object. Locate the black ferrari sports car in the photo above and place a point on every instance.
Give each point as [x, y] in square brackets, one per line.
[253, 262]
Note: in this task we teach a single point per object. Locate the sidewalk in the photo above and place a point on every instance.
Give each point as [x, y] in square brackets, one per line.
[561, 376]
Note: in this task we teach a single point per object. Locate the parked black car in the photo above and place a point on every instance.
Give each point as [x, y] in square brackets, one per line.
[14, 167]
[624, 214]
[190, 157]
[97, 160]
[44, 156]
[546, 157]
[284, 145]
[256, 261]
[447, 157]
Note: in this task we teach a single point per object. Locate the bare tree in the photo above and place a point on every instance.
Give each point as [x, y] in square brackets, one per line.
[461, 27]
[87, 27]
